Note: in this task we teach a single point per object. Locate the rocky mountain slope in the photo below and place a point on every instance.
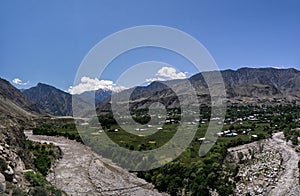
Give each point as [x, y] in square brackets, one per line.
[263, 83]
[50, 99]
[100, 95]
[243, 86]
[59, 103]
[14, 102]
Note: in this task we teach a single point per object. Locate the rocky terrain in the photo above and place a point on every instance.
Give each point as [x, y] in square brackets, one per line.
[245, 86]
[12, 173]
[288, 183]
[266, 168]
[13, 102]
[50, 99]
[82, 172]
[16, 112]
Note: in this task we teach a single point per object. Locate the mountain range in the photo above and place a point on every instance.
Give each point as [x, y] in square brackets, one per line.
[243, 86]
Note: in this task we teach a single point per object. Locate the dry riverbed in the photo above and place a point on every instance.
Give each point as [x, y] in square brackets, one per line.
[83, 172]
[269, 167]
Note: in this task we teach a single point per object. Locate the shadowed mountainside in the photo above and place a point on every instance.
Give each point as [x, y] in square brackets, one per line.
[59, 103]
[13, 102]
[50, 99]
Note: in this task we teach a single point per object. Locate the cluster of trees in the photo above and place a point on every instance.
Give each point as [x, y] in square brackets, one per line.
[292, 135]
[67, 130]
[107, 121]
[44, 155]
[193, 178]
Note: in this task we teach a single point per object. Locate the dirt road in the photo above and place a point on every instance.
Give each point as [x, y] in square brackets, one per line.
[83, 172]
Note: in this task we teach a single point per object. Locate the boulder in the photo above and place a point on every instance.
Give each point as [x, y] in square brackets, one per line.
[15, 181]
[2, 183]
[9, 174]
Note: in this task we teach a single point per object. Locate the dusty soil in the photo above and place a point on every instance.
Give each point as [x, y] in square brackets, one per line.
[83, 172]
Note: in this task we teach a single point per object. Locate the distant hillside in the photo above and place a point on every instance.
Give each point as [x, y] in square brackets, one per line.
[253, 85]
[59, 103]
[100, 95]
[243, 86]
[50, 99]
[14, 104]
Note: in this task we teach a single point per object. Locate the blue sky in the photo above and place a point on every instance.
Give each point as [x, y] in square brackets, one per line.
[45, 41]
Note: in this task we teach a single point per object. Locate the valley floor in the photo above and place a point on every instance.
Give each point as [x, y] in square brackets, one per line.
[83, 172]
[271, 169]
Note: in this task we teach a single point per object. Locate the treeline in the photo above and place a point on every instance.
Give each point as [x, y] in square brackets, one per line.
[194, 178]
[67, 130]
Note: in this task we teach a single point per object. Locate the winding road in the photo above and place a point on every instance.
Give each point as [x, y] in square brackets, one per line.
[80, 171]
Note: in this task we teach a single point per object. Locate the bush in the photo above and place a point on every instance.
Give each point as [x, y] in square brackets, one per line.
[18, 192]
[41, 185]
[42, 163]
[3, 165]
[38, 191]
[36, 179]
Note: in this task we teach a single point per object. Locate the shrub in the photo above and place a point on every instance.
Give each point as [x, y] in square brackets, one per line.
[3, 165]
[38, 191]
[18, 192]
[36, 179]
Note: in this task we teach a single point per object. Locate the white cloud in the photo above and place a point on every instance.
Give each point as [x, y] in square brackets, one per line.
[277, 67]
[155, 79]
[18, 81]
[167, 73]
[90, 84]
[171, 73]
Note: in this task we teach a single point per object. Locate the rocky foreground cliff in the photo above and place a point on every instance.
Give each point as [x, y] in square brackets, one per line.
[16, 113]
